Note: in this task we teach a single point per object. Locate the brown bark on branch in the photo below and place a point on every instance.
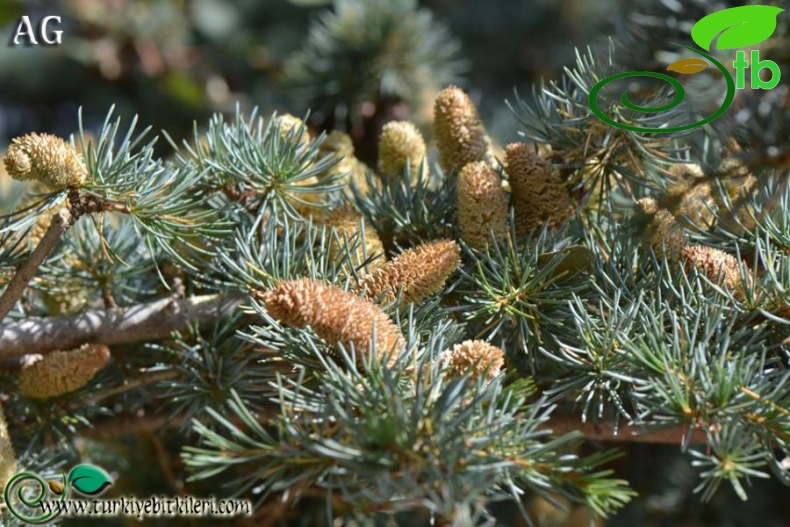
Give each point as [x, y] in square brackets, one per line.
[144, 322]
[121, 425]
[117, 426]
[58, 226]
[559, 425]
[563, 424]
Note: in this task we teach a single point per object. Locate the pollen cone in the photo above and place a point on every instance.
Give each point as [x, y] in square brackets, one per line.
[475, 358]
[460, 135]
[539, 194]
[665, 234]
[45, 158]
[417, 272]
[346, 222]
[62, 372]
[716, 265]
[349, 168]
[335, 315]
[402, 144]
[291, 127]
[482, 205]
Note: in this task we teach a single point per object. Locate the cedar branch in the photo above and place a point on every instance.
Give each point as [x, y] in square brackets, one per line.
[144, 322]
[558, 424]
[604, 431]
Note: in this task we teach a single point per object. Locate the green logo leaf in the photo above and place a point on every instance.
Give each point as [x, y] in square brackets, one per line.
[89, 479]
[739, 26]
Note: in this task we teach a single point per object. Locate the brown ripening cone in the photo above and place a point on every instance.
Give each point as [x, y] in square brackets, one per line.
[7, 457]
[716, 265]
[61, 372]
[45, 158]
[665, 234]
[474, 358]
[346, 222]
[335, 315]
[539, 194]
[460, 136]
[482, 205]
[401, 144]
[418, 272]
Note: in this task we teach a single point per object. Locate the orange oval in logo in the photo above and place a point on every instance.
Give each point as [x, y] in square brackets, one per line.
[688, 66]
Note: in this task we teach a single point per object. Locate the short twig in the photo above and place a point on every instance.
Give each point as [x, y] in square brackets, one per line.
[58, 226]
[129, 385]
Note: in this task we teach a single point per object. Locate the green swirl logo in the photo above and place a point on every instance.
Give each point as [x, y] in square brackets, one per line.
[27, 492]
[735, 27]
[21, 483]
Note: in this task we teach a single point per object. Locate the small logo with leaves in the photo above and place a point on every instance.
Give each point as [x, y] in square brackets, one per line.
[732, 28]
[26, 492]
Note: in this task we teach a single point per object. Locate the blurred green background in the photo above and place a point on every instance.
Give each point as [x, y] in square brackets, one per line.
[175, 61]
